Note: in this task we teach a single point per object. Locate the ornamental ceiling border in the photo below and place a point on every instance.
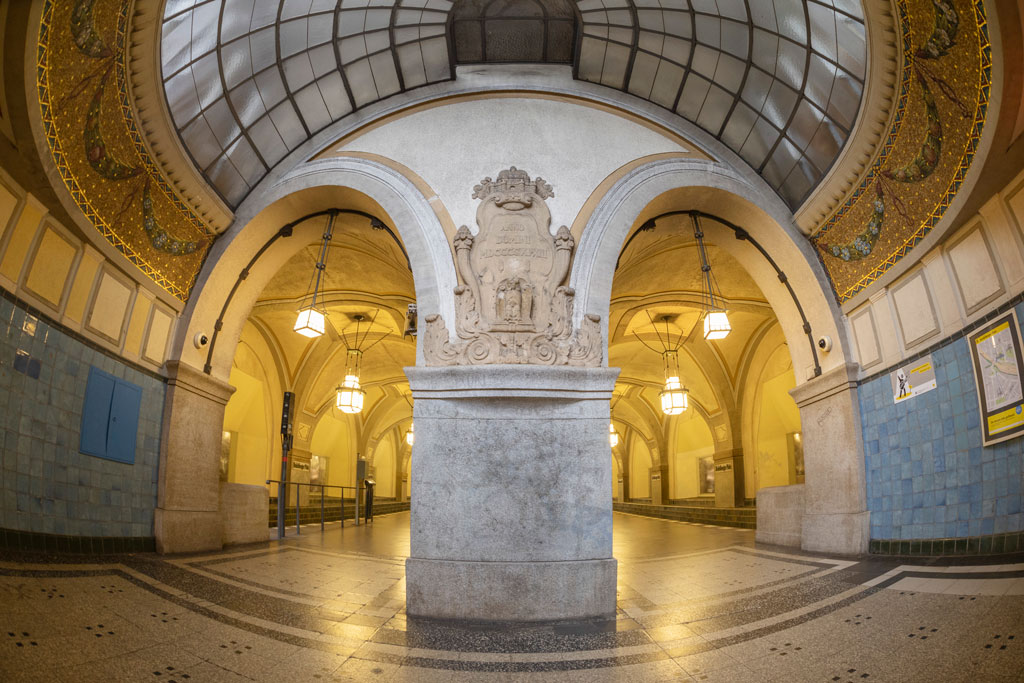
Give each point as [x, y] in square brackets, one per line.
[910, 184]
[97, 150]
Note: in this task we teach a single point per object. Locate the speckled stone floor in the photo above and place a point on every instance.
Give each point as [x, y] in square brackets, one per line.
[695, 604]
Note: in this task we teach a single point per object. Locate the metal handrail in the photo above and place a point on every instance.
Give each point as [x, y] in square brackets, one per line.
[298, 510]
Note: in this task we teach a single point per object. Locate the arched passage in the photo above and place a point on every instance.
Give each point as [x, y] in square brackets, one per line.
[187, 516]
[831, 504]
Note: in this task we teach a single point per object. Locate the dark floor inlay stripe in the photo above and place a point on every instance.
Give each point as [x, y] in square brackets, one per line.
[548, 638]
[514, 667]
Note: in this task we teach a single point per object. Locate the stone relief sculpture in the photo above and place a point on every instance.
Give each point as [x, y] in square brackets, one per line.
[512, 305]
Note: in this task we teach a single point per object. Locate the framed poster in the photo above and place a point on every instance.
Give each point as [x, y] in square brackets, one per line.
[996, 356]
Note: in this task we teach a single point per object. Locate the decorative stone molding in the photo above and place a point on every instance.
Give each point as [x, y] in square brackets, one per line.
[877, 110]
[154, 120]
[512, 305]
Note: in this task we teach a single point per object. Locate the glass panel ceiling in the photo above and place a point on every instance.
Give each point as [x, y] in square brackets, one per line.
[247, 81]
[778, 81]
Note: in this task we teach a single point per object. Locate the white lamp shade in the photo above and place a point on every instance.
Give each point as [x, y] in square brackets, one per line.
[716, 325]
[310, 322]
[613, 436]
[674, 398]
[350, 396]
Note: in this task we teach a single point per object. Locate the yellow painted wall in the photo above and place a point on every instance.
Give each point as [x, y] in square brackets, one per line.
[253, 413]
[616, 473]
[333, 438]
[777, 416]
[384, 465]
[245, 417]
[693, 441]
[639, 469]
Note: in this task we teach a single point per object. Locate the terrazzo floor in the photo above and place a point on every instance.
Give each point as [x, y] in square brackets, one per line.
[695, 603]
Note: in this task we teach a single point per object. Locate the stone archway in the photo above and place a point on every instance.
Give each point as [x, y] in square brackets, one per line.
[188, 514]
[828, 513]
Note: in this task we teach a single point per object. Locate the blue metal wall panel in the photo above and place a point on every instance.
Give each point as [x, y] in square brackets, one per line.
[96, 413]
[110, 417]
[124, 422]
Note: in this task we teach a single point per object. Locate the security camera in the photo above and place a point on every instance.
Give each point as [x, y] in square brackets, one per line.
[825, 343]
[200, 340]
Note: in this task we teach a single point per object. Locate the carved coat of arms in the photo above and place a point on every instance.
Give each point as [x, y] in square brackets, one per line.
[512, 305]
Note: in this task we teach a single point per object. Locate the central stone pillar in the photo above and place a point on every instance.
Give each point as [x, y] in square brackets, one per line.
[512, 515]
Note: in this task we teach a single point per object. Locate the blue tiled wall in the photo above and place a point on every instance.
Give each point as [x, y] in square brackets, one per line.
[928, 475]
[46, 485]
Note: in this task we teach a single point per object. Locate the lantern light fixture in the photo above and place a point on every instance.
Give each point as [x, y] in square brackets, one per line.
[312, 319]
[716, 320]
[410, 435]
[350, 394]
[613, 436]
[674, 397]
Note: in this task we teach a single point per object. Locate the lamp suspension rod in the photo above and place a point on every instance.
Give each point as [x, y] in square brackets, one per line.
[286, 230]
[321, 259]
[708, 293]
[742, 235]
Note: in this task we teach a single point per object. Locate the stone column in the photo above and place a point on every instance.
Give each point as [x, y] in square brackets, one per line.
[729, 478]
[624, 478]
[399, 480]
[187, 518]
[835, 497]
[512, 519]
[659, 485]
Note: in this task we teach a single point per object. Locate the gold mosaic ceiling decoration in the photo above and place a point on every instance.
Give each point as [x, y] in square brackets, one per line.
[940, 112]
[98, 150]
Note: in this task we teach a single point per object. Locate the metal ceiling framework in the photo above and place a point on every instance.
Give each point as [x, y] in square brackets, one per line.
[777, 81]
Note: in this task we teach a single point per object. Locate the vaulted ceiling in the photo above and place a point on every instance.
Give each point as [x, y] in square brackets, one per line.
[778, 81]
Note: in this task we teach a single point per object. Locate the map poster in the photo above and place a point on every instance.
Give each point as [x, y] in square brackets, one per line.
[996, 355]
[913, 380]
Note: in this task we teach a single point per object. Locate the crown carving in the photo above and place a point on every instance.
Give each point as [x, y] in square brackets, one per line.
[513, 187]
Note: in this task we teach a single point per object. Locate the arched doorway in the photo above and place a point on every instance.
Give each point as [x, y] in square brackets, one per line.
[254, 255]
[827, 512]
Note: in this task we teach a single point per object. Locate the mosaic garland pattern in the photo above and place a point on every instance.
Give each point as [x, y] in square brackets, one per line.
[98, 150]
[940, 113]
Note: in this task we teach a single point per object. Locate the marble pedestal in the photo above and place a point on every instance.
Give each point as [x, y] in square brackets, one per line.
[511, 506]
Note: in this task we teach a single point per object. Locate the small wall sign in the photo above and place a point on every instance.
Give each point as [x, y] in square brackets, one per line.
[913, 380]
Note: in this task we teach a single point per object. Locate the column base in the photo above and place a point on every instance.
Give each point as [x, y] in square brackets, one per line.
[780, 515]
[187, 531]
[839, 534]
[510, 591]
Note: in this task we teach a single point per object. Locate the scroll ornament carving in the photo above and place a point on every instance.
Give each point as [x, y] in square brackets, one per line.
[512, 305]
